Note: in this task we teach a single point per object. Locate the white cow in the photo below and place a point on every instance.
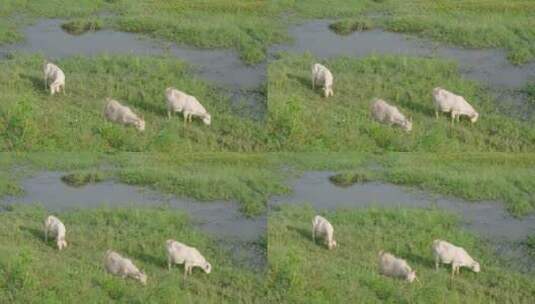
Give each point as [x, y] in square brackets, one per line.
[448, 253]
[178, 253]
[392, 266]
[178, 101]
[321, 227]
[322, 76]
[56, 76]
[386, 113]
[116, 112]
[456, 105]
[123, 267]
[56, 228]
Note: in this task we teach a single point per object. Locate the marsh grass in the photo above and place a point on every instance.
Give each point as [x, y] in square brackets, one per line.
[481, 177]
[301, 119]
[35, 272]
[303, 272]
[348, 26]
[80, 26]
[32, 120]
[80, 179]
[250, 27]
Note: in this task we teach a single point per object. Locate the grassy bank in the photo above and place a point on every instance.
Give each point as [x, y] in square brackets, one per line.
[32, 120]
[509, 178]
[250, 27]
[35, 272]
[251, 179]
[300, 119]
[302, 272]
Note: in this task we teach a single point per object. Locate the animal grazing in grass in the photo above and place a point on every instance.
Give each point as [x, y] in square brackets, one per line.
[56, 228]
[392, 266]
[322, 76]
[178, 253]
[448, 253]
[116, 112]
[321, 227]
[178, 101]
[388, 114]
[123, 267]
[56, 77]
[456, 105]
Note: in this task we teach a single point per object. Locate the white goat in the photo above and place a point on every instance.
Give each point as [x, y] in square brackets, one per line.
[178, 101]
[56, 228]
[446, 101]
[392, 266]
[178, 253]
[321, 227]
[322, 76]
[56, 76]
[386, 113]
[123, 267]
[116, 112]
[448, 253]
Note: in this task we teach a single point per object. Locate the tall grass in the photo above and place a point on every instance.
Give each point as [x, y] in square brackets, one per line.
[300, 119]
[303, 272]
[35, 272]
[32, 120]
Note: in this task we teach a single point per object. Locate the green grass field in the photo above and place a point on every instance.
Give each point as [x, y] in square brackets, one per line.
[35, 272]
[301, 119]
[32, 120]
[251, 26]
[303, 272]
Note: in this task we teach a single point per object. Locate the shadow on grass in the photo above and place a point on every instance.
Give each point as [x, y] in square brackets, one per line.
[37, 83]
[304, 232]
[150, 259]
[305, 81]
[40, 236]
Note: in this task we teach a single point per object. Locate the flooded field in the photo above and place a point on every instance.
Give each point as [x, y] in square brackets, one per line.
[488, 219]
[221, 67]
[220, 219]
[486, 65]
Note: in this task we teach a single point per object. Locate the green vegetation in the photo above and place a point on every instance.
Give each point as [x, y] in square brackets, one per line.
[32, 120]
[80, 26]
[530, 244]
[251, 27]
[33, 271]
[301, 119]
[79, 179]
[530, 91]
[509, 178]
[303, 272]
[348, 26]
[251, 179]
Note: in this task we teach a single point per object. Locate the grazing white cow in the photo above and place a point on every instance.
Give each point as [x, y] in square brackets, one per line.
[56, 228]
[178, 101]
[448, 253]
[322, 76]
[388, 114]
[321, 227]
[56, 76]
[178, 253]
[392, 266]
[116, 112]
[456, 105]
[123, 267]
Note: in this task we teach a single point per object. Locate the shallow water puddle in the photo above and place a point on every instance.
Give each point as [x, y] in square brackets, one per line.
[489, 66]
[221, 219]
[488, 219]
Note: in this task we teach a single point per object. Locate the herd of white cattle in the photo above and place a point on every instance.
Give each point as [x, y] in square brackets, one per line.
[116, 264]
[114, 111]
[383, 112]
[189, 106]
[392, 266]
[179, 253]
